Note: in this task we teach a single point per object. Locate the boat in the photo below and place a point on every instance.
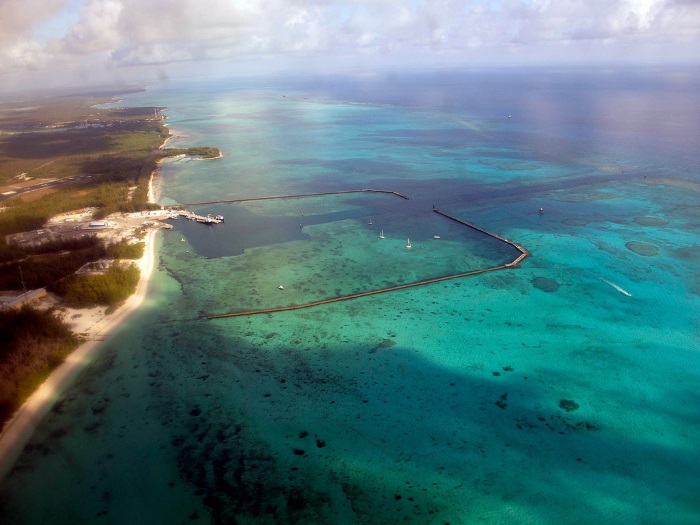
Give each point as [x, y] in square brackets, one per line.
[408, 243]
[436, 236]
[381, 234]
[370, 221]
[220, 218]
[280, 287]
[182, 240]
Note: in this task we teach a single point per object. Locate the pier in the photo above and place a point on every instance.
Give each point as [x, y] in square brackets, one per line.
[199, 218]
[512, 264]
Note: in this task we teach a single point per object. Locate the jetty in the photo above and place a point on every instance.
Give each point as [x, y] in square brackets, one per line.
[295, 196]
[523, 253]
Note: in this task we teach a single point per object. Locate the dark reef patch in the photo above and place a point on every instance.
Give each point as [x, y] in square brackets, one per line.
[568, 404]
[650, 221]
[240, 482]
[575, 222]
[385, 343]
[586, 196]
[545, 284]
[642, 248]
[501, 402]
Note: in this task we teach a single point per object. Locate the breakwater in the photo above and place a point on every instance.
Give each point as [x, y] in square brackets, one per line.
[294, 196]
[522, 255]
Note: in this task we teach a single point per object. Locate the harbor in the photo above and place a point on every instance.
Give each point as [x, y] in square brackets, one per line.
[191, 216]
[522, 254]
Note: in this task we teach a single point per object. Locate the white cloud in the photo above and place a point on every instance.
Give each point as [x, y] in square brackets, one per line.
[110, 34]
[96, 30]
[27, 54]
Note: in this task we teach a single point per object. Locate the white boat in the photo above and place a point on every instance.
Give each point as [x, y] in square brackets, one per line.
[280, 287]
[182, 240]
[370, 221]
[381, 234]
[436, 236]
[408, 243]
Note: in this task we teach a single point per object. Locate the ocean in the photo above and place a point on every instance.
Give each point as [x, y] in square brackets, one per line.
[564, 390]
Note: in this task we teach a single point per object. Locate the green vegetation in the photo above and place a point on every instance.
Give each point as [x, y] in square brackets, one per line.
[17, 255]
[56, 138]
[46, 270]
[32, 344]
[119, 157]
[107, 289]
[204, 152]
[66, 245]
[125, 250]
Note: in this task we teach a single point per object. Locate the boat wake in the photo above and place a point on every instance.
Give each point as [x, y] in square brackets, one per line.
[618, 288]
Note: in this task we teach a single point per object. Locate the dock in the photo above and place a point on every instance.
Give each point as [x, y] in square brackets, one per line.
[205, 219]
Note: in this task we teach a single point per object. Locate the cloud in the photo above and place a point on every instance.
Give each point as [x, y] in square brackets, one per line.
[96, 30]
[109, 34]
[18, 45]
[19, 17]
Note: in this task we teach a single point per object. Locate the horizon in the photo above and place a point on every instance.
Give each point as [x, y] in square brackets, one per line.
[67, 43]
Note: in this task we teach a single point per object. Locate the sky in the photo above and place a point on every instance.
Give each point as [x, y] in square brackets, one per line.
[71, 42]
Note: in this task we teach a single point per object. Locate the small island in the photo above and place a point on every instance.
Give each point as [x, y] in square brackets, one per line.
[77, 216]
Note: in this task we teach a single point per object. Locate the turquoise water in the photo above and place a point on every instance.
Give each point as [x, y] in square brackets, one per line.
[563, 391]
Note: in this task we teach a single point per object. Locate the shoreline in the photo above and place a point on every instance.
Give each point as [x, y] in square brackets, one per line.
[17, 431]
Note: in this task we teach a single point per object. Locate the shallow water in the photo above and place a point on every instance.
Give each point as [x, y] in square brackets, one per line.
[560, 391]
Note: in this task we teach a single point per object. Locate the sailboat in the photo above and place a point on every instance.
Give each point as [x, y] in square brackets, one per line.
[381, 234]
[408, 243]
[370, 220]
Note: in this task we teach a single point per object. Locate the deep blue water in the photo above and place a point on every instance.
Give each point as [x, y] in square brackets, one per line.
[561, 391]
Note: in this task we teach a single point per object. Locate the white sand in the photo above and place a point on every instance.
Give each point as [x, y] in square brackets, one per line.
[19, 429]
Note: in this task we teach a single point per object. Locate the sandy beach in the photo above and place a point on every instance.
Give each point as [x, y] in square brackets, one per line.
[92, 324]
[89, 323]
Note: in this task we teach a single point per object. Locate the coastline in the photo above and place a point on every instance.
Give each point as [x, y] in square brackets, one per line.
[93, 324]
[17, 431]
